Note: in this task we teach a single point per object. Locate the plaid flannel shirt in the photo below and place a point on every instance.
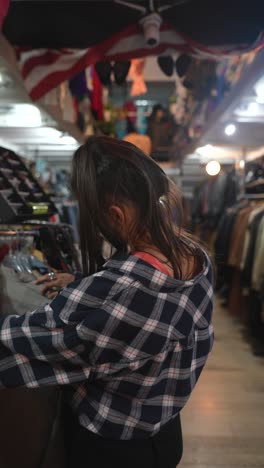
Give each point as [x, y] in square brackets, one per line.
[127, 344]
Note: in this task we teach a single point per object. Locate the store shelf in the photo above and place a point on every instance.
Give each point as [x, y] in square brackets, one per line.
[21, 196]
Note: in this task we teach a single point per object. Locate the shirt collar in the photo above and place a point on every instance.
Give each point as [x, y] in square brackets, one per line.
[146, 274]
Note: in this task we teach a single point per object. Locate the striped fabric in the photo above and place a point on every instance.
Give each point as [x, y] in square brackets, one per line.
[44, 69]
[4, 5]
[127, 345]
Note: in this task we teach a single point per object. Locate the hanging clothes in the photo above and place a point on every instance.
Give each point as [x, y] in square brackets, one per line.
[211, 198]
[251, 218]
[238, 237]
[239, 253]
[258, 262]
[97, 96]
[136, 73]
[249, 259]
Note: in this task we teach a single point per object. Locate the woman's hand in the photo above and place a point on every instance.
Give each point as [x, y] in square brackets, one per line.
[53, 283]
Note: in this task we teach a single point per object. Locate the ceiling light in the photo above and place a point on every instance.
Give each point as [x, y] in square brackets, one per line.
[141, 103]
[68, 140]
[56, 136]
[24, 115]
[252, 108]
[205, 150]
[49, 132]
[259, 88]
[230, 129]
[242, 163]
[260, 100]
[213, 168]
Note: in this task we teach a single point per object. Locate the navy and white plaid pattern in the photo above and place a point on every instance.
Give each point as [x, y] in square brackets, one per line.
[127, 344]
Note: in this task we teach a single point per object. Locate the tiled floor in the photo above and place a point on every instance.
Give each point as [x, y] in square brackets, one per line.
[223, 423]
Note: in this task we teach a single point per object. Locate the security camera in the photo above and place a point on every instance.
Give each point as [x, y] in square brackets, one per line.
[152, 19]
[151, 28]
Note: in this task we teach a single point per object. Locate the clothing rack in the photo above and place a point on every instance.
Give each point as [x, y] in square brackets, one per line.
[21, 196]
[55, 241]
[251, 196]
[239, 253]
[21, 228]
[18, 234]
[17, 231]
[39, 223]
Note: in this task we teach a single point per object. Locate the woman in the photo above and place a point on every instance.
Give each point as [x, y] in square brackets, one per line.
[161, 129]
[157, 130]
[127, 343]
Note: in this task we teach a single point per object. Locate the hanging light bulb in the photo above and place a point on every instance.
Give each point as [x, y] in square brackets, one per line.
[230, 129]
[213, 168]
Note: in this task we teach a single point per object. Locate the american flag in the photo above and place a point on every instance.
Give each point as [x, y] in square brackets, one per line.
[4, 5]
[44, 69]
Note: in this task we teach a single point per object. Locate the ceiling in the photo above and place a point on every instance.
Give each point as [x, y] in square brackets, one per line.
[244, 110]
[53, 24]
[80, 24]
[26, 128]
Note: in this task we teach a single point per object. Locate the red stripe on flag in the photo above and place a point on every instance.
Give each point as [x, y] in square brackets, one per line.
[95, 54]
[47, 58]
[4, 5]
[54, 79]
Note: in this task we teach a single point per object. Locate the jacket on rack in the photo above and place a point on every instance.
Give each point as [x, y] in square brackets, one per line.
[212, 197]
[258, 265]
[249, 261]
[238, 237]
[251, 218]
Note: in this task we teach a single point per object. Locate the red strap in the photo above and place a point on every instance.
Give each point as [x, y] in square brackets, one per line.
[153, 261]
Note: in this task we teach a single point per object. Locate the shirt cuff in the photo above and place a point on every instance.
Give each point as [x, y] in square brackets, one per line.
[78, 275]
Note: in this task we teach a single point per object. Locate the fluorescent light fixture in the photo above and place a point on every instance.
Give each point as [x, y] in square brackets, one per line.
[259, 88]
[49, 132]
[230, 129]
[68, 140]
[30, 115]
[205, 150]
[22, 115]
[56, 136]
[141, 103]
[213, 168]
[252, 108]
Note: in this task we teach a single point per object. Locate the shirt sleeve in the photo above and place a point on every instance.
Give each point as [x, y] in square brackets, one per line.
[78, 275]
[52, 345]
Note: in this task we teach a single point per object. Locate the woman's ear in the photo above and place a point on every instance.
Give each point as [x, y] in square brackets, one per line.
[116, 216]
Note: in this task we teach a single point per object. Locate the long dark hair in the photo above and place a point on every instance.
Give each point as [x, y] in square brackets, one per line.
[106, 170]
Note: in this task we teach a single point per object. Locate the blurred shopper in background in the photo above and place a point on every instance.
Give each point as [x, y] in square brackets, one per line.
[161, 129]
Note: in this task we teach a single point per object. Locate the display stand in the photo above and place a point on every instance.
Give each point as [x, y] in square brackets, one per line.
[21, 196]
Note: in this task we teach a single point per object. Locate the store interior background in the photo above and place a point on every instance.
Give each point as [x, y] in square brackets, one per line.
[223, 423]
